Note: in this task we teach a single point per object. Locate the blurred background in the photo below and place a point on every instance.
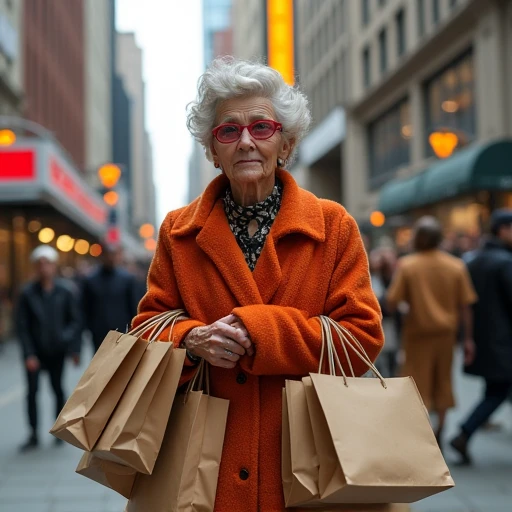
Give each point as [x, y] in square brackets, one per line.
[412, 109]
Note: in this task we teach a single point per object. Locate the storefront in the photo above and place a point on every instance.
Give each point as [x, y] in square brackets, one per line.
[44, 200]
[460, 191]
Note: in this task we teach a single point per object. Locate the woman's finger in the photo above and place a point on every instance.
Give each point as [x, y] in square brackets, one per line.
[235, 334]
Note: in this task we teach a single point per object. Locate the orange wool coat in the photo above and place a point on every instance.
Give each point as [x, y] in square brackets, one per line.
[313, 263]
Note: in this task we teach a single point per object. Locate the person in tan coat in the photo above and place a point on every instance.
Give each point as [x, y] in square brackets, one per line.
[436, 291]
[254, 261]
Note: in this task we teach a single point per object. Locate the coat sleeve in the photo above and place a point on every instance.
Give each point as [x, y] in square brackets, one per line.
[288, 342]
[163, 293]
[22, 327]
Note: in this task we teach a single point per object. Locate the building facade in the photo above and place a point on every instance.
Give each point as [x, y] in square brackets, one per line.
[11, 61]
[98, 86]
[54, 71]
[408, 80]
[129, 70]
[249, 29]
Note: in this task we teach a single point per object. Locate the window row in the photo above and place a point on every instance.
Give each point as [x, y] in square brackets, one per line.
[449, 106]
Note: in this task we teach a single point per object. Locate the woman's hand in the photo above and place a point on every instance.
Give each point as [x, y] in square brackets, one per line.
[221, 343]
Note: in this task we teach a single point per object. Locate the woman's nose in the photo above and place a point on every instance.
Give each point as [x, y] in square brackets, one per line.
[245, 141]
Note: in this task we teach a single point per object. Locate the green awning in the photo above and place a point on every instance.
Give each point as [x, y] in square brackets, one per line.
[399, 196]
[480, 167]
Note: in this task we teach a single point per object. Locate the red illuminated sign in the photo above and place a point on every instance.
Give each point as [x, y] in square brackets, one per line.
[68, 184]
[17, 166]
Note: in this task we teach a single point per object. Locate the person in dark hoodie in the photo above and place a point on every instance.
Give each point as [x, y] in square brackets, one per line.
[110, 296]
[48, 325]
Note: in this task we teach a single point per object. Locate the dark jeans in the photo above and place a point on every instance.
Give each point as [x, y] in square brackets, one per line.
[54, 365]
[496, 392]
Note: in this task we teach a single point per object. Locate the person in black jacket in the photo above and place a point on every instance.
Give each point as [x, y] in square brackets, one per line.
[491, 272]
[110, 297]
[49, 329]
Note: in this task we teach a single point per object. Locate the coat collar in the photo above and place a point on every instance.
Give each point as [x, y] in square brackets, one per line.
[300, 211]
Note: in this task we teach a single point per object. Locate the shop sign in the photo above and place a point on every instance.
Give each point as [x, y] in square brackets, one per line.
[17, 166]
[71, 188]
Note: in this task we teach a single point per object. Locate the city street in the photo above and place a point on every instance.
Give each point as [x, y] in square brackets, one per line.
[45, 481]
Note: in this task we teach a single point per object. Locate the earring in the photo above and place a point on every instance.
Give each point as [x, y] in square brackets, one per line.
[216, 165]
[280, 162]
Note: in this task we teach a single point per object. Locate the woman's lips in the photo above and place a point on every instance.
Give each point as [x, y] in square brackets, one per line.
[248, 161]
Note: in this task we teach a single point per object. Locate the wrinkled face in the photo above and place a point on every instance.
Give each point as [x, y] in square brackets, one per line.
[248, 160]
[45, 269]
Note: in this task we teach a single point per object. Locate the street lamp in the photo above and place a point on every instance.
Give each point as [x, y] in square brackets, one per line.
[109, 175]
[146, 230]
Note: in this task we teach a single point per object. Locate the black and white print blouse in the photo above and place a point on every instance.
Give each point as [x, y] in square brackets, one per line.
[239, 218]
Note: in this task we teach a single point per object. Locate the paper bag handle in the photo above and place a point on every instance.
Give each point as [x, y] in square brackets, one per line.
[201, 379]
[347, 339]
[158, 323]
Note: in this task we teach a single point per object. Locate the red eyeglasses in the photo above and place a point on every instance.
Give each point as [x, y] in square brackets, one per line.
[260, 130]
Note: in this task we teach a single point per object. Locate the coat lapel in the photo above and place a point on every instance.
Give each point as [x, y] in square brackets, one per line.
[219, 243]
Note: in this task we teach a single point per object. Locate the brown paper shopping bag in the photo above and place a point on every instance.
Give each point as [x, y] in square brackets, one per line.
[186, 472]
[98, 392]
[299, 457]
[383, 441]
[115, 476]
[133, 436]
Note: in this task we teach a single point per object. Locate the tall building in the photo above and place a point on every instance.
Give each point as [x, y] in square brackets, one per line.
[98, 86]
[11, 62]
[250, 29]
[129, 69]
[55, 73]
[218, 41]
[415, 99]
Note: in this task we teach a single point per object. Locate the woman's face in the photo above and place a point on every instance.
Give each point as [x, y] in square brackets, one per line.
[248, 160]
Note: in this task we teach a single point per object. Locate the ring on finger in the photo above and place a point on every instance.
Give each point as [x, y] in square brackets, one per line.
[228, 352]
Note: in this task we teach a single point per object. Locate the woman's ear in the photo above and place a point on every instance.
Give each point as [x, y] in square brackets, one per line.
[287, 148]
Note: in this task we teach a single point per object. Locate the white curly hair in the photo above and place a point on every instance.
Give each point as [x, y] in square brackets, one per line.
[226, 78]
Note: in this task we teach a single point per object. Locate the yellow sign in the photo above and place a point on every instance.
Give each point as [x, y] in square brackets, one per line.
[109, 175]
[7, 137]
[281, 38]
[443, 143]
[377, 219]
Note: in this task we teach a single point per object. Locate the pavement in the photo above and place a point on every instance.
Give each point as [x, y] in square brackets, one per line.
[45, 480]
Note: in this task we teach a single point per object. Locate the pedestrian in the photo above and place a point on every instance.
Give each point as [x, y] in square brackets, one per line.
[491, 272]
[254, 261]
[437, 291]
[48, 328]
[110, 296]
[382, 267]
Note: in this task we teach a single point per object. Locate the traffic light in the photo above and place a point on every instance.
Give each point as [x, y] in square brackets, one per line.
[109, 175]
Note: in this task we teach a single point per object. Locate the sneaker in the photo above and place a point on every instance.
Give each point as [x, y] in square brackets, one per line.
[460, 445]
[31, 444]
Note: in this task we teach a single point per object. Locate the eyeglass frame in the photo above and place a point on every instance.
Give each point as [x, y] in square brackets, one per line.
[277, 127]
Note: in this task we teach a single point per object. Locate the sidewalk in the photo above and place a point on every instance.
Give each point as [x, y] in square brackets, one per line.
[45, 481]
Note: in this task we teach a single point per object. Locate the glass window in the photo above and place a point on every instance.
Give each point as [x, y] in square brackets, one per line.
[435, 12]
[365, 15]
[389, 143]
[450, 101]
[421, 17]
[400, 32]
[383, 50]
[366, 67]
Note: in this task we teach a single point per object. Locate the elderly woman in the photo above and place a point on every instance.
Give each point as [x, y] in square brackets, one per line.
[254, 261]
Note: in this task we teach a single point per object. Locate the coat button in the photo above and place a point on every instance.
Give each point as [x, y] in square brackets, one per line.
[244, 474]
[241, 378]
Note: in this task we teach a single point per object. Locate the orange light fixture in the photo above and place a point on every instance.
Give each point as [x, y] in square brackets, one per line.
[443, 143]
[34, 226]
[82, 247]
[150, 244]
[7, 137]
[377, 219]
[109, 175]
[111, 197]
[95, 250]
[146, 230]
[65, 243]
[281, 38]
[46, 235]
